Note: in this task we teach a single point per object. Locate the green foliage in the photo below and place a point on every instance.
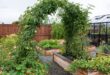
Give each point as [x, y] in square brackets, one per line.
[31, 19]
[75, 20]
[49, 44]
[8, 41]
[7, 64]
[107, 49]
[12, 68]
[101, 64]
[57, 31]
[104, 48]
[7, 47]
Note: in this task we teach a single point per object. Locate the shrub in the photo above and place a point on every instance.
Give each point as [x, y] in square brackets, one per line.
[11, 68]
[57, 31]
[7, 46]
[101, 64]
[104, 49]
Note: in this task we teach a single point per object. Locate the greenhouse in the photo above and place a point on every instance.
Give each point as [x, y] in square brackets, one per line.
[100, 30]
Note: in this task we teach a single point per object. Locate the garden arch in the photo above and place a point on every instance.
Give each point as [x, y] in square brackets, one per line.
[74, 18]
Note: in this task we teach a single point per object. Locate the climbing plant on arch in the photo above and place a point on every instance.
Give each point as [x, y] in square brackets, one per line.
[75, 21]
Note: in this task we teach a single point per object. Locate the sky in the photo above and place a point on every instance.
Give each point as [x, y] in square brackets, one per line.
[10, 10]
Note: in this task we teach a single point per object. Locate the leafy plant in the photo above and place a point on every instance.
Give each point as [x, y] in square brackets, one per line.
[75, 20]
[21, 69]
[49, 44]
[101, 64]
[57, 31]
[104, 49]
[107, 49]
[7, 47]
[31, 19]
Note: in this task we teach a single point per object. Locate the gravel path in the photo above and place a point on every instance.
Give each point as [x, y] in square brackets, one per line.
[54, 69]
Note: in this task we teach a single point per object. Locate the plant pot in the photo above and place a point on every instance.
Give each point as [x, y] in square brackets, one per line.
[62, 61]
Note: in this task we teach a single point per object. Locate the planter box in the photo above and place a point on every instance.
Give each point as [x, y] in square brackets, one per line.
[85, 72]
[51, 51]
[81, 72]
[61, 61]
[95, 73]
[64, 63]
[91, 50]
[47, 52]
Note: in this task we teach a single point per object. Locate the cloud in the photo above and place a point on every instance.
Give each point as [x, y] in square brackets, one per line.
[101, 7]
[10, 10]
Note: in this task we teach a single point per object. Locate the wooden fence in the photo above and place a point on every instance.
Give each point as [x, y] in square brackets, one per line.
[43, 32]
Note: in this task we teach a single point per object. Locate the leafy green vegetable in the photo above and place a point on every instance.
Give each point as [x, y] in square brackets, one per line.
[49, 44]
[101, 64]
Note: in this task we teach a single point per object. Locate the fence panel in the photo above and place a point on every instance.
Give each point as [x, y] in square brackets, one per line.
[43, 32]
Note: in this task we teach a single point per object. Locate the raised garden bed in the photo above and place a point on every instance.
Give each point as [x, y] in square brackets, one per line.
[85, 72]
[61, 61]
[48, 47]
[65, 63]
[48, 52]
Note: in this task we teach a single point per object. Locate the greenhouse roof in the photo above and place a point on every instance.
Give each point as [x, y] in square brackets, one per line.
[101, 18]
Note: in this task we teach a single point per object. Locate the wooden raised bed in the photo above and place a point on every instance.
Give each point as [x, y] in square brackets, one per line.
[51, 51]
[61, 61]
[64, 63]
[47, 52]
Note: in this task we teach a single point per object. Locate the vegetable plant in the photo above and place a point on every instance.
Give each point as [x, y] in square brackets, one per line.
[49, 44]
[101, 64]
